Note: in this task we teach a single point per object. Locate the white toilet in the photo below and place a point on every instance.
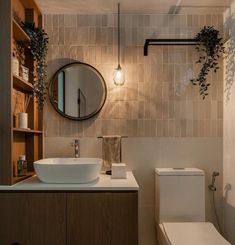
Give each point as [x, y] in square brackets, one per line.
[180, 208]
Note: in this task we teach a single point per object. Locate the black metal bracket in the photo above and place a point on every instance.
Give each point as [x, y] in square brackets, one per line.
[150, 42]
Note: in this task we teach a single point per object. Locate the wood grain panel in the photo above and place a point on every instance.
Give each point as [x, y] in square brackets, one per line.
[19, 147]
[32, 147]
[31, 115]
[102, 218]
[19, 33]
[18, 8]
[32, 15]
[33, 218]
[5, 93]
[21, 84]
[30, 4]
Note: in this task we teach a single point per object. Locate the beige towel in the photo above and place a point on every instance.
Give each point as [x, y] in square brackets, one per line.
[111, 150]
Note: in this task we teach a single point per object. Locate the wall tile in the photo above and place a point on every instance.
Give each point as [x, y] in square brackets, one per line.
[70, 20]
[157, 98]
[55, 20]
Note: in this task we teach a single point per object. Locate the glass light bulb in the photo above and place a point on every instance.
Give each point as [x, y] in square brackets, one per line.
[118, 77]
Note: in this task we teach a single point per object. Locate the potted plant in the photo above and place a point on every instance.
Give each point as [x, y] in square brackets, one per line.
[210, 46]
[38, 47]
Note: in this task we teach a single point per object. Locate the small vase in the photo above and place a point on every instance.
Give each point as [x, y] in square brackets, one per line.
[23, 120]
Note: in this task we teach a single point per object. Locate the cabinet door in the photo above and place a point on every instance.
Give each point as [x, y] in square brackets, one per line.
[32, 218]
[103, 218]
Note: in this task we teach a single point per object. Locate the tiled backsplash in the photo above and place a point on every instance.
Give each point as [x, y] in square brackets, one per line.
[157, 98]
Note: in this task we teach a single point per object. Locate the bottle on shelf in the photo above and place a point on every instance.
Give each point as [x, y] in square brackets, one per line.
[22, 166]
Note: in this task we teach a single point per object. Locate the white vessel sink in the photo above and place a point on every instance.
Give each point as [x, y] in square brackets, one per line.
[68, 170]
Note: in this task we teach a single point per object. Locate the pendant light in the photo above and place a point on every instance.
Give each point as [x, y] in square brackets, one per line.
[118, 75]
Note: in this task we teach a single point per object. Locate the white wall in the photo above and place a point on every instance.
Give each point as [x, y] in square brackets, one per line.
[229, 138]
[143, 155]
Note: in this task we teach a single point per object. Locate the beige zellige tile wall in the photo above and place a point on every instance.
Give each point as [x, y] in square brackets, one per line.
[157, 98]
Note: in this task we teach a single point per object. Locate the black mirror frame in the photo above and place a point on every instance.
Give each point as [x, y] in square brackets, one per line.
[89, 115]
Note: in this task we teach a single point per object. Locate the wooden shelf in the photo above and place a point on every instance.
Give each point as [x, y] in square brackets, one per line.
[20, 83]
[19, 34]
[30, 131]
[20, 178]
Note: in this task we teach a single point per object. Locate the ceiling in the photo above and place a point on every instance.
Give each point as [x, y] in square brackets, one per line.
[133, 6]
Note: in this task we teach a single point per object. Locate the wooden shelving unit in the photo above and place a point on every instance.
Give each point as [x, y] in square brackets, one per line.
[15, 141]
[18, 33]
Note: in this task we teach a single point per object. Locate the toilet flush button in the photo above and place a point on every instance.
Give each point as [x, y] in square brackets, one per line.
[178, 168]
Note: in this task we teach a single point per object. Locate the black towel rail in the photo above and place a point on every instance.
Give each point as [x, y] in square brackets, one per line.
[100, 137]
[152, 42]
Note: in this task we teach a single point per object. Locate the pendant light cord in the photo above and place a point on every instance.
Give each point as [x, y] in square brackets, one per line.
[118, 35]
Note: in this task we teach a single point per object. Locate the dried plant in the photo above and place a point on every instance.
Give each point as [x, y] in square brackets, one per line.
[19, 53]
[26, 102]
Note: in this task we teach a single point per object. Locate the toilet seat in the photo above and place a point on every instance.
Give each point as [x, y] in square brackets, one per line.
[199, 233]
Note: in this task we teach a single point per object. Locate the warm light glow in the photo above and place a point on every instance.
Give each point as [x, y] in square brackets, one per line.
[118, 77]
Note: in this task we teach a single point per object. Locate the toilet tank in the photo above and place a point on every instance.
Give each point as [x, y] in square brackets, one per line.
[179, 195]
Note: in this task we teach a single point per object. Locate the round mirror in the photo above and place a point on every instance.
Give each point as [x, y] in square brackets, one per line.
[77, 91]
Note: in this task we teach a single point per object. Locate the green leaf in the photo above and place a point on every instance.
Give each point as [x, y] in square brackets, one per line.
[211, 44]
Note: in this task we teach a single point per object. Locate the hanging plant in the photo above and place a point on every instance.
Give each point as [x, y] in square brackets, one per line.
[38, 47]
[210, 46]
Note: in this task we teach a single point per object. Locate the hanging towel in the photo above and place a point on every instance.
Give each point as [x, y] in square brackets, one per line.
[111, 151]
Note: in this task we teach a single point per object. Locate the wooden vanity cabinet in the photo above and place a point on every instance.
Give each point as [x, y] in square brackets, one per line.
[102, 218]
[32, 218]
[72, 218]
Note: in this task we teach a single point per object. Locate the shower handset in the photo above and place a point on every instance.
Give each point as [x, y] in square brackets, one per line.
[212, 185]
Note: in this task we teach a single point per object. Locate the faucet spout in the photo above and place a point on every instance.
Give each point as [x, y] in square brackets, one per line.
[76, 148]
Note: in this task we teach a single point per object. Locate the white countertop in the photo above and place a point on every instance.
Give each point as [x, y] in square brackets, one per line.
[104, 183]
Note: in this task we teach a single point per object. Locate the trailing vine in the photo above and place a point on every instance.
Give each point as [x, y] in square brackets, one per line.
[210, 46]
[38, 47]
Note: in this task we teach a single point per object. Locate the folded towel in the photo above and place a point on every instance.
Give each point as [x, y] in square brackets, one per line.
[111, 149]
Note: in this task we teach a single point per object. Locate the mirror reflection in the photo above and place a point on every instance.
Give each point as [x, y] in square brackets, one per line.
[77, 91]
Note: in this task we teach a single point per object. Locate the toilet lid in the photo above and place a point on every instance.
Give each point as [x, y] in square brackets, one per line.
[193, 233]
